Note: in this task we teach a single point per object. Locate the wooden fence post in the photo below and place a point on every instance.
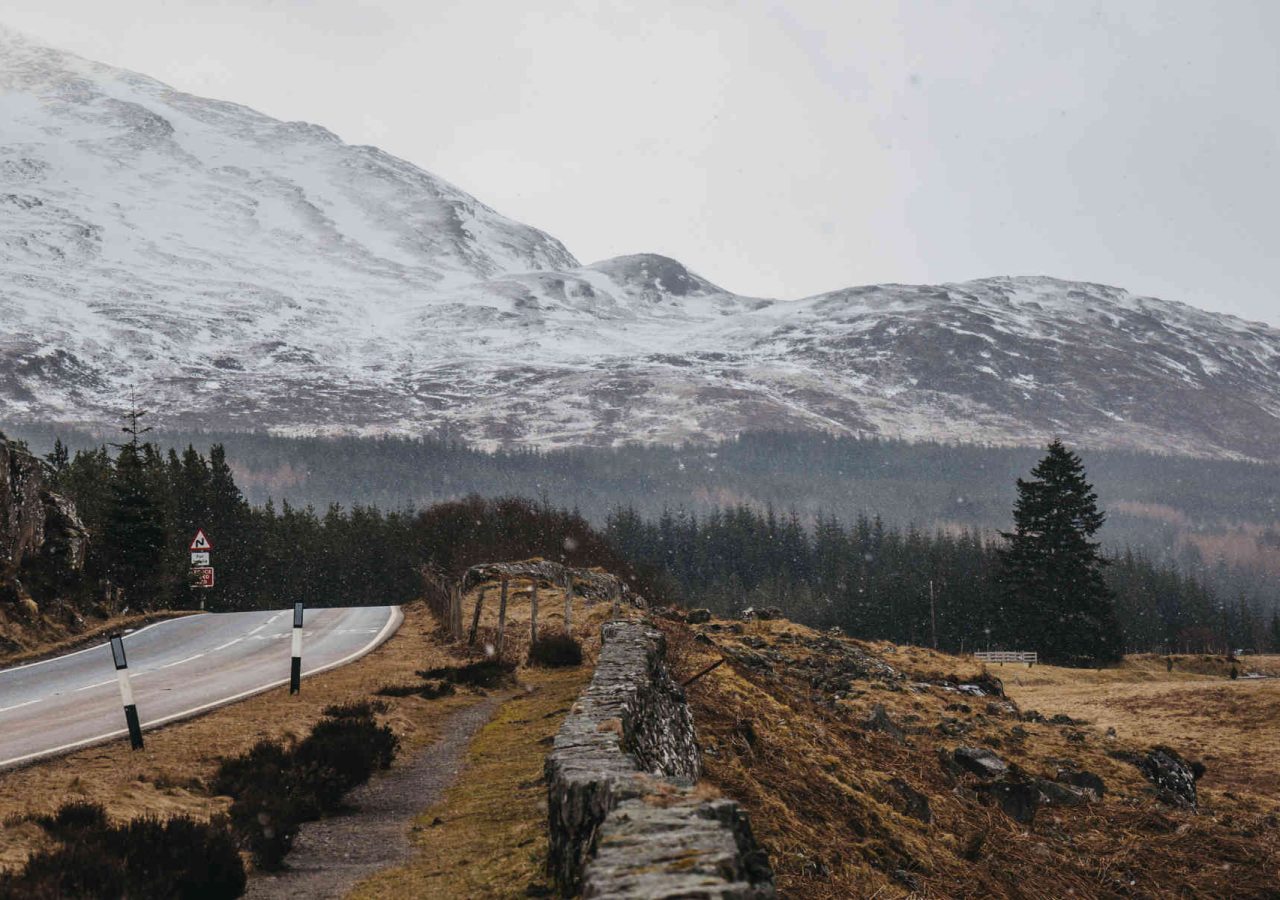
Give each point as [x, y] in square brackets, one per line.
[455, 611]
[475, 618]
[533, 613]
[502, 616]
[568, 604]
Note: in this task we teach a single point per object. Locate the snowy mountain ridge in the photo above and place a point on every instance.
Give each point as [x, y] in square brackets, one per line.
[244, 272]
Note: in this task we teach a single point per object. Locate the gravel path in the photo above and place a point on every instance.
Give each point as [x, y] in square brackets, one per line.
[331, 856]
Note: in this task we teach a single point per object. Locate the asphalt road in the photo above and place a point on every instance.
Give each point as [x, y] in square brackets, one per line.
[178, 668]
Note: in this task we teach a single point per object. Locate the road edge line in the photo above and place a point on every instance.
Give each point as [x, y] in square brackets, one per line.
[392, 625]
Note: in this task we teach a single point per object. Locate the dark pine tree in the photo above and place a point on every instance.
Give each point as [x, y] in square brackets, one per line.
[1056, 599]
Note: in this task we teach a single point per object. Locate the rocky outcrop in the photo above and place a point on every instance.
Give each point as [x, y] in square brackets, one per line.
[623, 816]
[591, 584]
[38, 528]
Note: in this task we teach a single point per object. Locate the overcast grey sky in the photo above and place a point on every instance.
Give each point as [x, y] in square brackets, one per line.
[783, 149]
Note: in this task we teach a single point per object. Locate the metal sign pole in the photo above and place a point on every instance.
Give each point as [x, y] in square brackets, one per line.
[295, 666]
[126, 692]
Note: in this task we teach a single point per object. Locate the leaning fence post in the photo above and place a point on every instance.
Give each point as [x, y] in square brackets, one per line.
[455, 611]
[502, 616]
[533, 613]
[126, 692]
[568, 604]
[475, 617]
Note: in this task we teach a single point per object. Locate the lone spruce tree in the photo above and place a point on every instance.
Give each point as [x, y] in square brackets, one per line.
[1056, 601]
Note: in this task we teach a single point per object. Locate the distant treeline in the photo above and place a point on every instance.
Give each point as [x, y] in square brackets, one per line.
[907, 586]
[142, 506]
[366, 552]
[810, 472]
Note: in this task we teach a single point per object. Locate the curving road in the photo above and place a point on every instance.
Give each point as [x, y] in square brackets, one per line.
[179, 668]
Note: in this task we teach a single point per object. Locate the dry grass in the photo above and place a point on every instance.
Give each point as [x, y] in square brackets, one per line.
[820, 786]
[44, 639]
[487, 837]
[1230, 725]
[171, 774]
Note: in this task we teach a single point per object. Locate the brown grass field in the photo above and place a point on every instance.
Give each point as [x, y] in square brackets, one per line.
[823, 789]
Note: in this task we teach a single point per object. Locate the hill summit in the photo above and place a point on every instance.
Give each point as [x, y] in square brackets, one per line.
[244, 272]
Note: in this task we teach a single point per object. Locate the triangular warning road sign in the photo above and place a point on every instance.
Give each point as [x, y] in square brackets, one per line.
[200, 542]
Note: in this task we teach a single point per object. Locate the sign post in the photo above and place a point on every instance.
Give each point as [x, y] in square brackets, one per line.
[201, 566]
[295, 666]
[126, 692]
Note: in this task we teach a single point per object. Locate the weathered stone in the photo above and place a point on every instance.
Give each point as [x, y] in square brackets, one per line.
[880, 721]
[39, 530]
[1017, 799]
[690, 850]
[1174, 777]
[698, 616]
[1054, 794]
[623, 818]
[1083, 780]
[980, 761]
[912, 802]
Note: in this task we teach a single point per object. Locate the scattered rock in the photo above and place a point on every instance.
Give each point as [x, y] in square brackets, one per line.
[1054, 794]
[980, 761]
[959, 707]
[1173, 776]
[1018, 799]
[953, 727]
[880, 721]
[1084, 780]
[912, 802]
[698, 616]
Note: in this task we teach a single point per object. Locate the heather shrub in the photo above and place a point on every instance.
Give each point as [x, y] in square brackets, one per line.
[177, 858]
[557, 649]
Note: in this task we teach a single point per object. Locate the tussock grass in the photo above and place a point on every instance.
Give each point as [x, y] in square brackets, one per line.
[820, 786]
[487, 838]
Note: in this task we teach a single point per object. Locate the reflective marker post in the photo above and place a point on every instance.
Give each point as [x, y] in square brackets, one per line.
[295, 668]
[126, 692]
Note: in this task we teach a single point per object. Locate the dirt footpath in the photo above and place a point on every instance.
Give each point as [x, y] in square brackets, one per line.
[332, 855]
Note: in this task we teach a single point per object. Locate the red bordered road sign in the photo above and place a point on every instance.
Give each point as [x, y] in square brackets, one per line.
[202, 576]
[200, 542]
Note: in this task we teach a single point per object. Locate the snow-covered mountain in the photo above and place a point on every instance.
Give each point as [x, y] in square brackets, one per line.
[249, 273]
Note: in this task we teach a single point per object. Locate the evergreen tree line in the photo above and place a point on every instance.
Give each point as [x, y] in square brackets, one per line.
[908, 586]
[1178, 499]
[142, 507]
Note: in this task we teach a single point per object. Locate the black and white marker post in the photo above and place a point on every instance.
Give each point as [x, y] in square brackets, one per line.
[295, 668]
[126, 692]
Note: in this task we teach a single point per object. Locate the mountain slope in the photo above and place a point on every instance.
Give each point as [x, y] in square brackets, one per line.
[244, 272]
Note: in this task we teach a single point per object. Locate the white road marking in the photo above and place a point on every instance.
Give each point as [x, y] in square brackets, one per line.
[98, 646]
[259, 628]
[20, 705]
[393, 622]
[181, 661]
[226, 645]
[89, 687]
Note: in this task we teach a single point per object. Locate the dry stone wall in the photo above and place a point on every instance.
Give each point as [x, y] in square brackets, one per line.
[624, 818]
